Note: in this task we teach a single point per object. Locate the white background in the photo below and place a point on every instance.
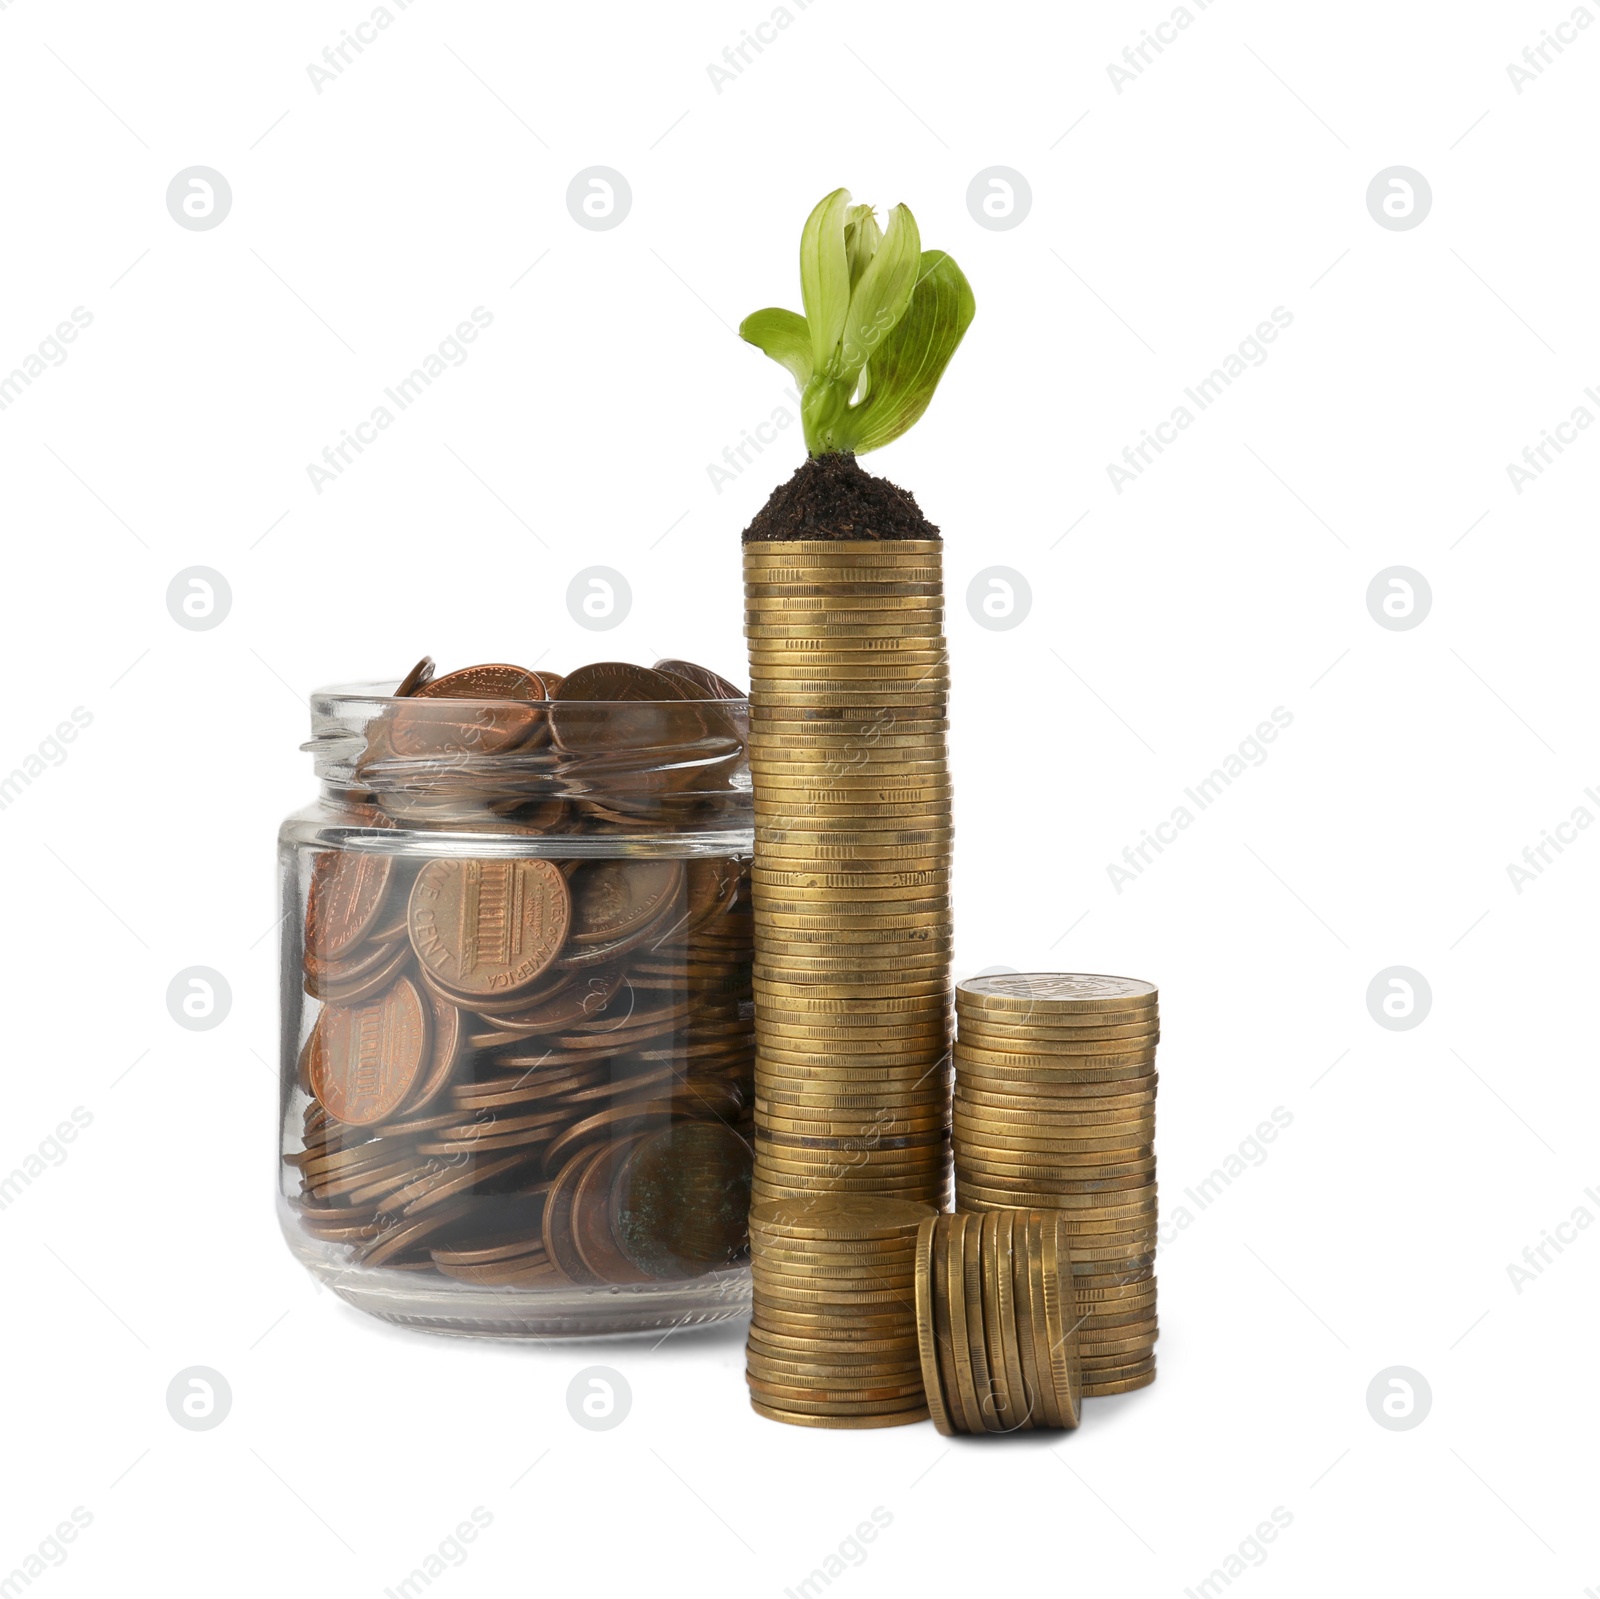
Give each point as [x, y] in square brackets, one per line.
[1167, 220]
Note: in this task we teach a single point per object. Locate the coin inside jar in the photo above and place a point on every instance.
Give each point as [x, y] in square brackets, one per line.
[488, 927]
[363, 1061]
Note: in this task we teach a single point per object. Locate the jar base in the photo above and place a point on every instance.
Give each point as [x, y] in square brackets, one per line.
[443, 1305]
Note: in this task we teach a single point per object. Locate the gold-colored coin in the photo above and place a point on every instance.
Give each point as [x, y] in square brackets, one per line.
[1018, 1178]
[1049, 1402]
[835, 1219]
[1023, 1069]
[927, 605]
[926, 1349]
[898, 1418]
[913, 1406]
[882, 1396]
[1101, 1390]
[777, 582]
[1070, 1022]
[1005, 1411]
[845, 1345]
[977, 1335]
[843, 551]
[1101, 1376]
[960, 1325]
[925, 631]
[849, 1004]
[1061, 991]
[1061, 1325]
[921, 917]
[1032, 1196]
[1098, 1041]
[1071, 1123]
[810, 590]
[1140, 1343]
[1075, 1107]
[1134, 1139]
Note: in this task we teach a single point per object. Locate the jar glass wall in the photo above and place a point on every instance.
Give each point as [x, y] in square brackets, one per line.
[517, 1027]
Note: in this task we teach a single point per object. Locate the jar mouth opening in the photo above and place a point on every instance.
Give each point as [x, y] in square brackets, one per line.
[543, 763]
[381, 693]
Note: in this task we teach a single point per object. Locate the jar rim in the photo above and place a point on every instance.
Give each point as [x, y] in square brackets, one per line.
[380, 691]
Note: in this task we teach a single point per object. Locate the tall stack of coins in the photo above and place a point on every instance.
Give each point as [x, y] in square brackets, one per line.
[1055, 1103]
[849, 681]
[833, 1331]
[996, 1327]
[530, 1067]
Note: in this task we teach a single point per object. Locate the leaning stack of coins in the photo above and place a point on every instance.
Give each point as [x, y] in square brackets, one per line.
[996, 1325]
[849, 681]
[530, 1071]
[833, 1329]
[1055, 1104]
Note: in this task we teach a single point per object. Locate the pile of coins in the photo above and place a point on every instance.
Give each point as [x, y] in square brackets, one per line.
[528, 1069]
[833, 1331]
[851, 880]
[608, 748]
[1055, 1099]
[996, 1327]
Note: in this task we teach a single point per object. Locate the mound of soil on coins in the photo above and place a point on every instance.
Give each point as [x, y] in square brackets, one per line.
[830, 497]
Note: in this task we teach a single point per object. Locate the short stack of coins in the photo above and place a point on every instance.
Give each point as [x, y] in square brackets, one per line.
[996, 1327]
[1055, 1103]
[833, 1329]
[850, 886]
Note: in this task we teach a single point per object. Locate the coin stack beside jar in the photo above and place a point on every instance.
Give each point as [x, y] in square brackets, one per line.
[849, 680]
[833, 1331]
[996, 1327]
[1055, 1102]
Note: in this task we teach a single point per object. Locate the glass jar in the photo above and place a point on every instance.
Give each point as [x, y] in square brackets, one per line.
[518, 1036]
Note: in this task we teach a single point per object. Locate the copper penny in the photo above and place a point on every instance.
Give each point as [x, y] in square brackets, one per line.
[556, 1225]
[583, 998]
[584, 719]
[395, 1239]
[617, 1118]
[705, 683]
[679, 1200]
[416, 678]
[504, 720]
[591, 1218]
[448, 1036]
[363, 1060]
[488, 926]
[372, 980]
[611, 899]
[346, 894]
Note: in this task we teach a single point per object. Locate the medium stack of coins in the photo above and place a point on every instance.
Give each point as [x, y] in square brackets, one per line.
[1055, 1104]
[849, 681]
[833, 1330]
[527, 1071]
[996, 1327]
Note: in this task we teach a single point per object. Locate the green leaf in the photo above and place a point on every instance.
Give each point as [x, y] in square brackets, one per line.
[908, 363]
[825, 276]
[882, 296]
[861, 238]
[784, 336]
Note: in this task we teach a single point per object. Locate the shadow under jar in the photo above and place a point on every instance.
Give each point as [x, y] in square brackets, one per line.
[518, 1031]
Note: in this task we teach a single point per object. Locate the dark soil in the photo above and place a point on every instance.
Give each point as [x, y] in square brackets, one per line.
[830, 497]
